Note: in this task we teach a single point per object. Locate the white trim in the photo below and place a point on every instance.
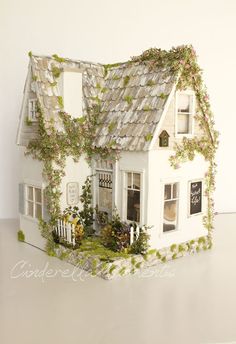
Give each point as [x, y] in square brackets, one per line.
[23, 105]
[124, 194]
[192, 114]
[163, 115]
[188, 198]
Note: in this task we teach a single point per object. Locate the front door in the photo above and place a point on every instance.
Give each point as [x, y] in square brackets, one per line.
[104, 192]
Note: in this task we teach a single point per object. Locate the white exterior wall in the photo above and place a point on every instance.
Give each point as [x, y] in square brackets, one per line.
[160, 173]
[31, 173]
[74, 172]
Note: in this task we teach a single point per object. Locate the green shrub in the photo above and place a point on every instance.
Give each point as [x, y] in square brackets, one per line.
[202, 240]
[173, 247]
[20, 235]
[108, 237]
[122, 271]
[140, 246]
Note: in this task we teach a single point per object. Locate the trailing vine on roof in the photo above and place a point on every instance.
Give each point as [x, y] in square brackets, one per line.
[77, 134]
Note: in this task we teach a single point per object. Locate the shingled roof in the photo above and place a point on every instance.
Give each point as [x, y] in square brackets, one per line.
[132, 97]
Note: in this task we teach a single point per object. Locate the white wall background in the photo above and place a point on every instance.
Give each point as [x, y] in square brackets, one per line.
[110, 31]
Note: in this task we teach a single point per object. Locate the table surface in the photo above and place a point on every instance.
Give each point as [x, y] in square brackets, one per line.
[189, 300]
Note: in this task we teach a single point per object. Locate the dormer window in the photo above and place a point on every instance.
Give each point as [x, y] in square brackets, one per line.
[185, 112]
[71, 92]
[32, 110]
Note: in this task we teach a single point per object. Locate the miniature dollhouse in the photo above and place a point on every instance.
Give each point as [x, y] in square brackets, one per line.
[146, 111]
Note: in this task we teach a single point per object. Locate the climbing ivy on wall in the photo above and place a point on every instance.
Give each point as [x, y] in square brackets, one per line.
[77, 134]
[182, 63]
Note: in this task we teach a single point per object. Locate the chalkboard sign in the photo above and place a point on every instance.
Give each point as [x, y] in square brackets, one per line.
[195, 197]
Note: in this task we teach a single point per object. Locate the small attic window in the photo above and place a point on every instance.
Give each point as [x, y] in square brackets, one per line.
[32, 111]
[185, 112]
[71, 89]
[164, 139]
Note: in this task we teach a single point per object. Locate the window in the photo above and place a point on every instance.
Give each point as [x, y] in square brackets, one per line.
[185, 112]
[133, 196]
[33, 198]
[195, 197]
[170, 215]
[32, 114]
[71, 92]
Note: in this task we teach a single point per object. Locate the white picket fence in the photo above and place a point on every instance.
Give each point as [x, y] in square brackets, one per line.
[134, 233]
[66, 231]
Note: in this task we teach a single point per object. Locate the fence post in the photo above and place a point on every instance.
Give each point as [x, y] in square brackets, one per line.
[73, 234]
[131, 235]
[68, 232]
[137, 232]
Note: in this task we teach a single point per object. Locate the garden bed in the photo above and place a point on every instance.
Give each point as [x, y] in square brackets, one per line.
[93, 257]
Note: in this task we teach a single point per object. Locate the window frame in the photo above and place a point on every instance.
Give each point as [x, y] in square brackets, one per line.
[164, 183]
[33, 201]
[191, 114]
[125, 195]
[202, 198]
[32, 117]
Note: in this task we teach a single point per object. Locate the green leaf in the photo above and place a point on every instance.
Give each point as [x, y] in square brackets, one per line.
[148, 137]
[58, 59]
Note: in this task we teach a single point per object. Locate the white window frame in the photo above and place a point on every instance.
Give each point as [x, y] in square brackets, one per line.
[192, 114]
[202, 198]
[26, 200]
[168, 182]
[32, 110]
[125, 195]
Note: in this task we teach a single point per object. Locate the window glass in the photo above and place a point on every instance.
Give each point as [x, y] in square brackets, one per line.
[184, 103]
[133, 196]
[184, 124]
[175, 190]
[38, 211]
[30, 209]
[38, 195]
[136, 181]
[133, 205]
[170, 212]
[168, 191]
[129, 177]
[30, 193]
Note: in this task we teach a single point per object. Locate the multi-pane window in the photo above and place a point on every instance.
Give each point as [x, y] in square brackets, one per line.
[32, 113]
[133, 196]
[33, 198]
[170, 215]
[185, 109]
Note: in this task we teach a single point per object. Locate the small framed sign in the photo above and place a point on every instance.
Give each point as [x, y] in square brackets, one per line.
[72, 193]
[195, 197]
